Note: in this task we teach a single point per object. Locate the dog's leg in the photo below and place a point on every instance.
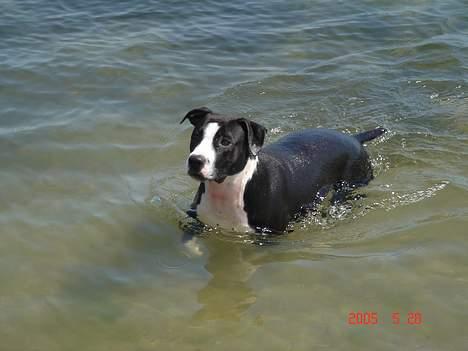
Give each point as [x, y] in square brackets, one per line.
[194, 228]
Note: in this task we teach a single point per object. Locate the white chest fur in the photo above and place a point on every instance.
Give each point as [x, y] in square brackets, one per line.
[222, 205]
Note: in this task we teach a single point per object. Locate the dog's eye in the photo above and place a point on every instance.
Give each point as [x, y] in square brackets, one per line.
[225, 141]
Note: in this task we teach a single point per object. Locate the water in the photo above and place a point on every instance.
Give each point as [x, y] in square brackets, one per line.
[93, 184]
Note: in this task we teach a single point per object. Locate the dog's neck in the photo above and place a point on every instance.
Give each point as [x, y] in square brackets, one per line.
[222, 204]
[232, 188]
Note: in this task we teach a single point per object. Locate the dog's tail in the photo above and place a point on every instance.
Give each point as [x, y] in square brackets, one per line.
[369, 135]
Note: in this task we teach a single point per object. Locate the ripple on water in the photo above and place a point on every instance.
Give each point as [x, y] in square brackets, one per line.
[93, 190]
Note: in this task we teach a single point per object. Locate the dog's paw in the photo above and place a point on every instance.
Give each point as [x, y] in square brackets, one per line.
[193, 248]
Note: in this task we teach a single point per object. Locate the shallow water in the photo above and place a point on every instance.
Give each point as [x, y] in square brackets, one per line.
[93, 184]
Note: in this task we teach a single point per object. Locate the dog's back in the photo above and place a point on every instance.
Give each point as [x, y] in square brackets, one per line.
[293, 170]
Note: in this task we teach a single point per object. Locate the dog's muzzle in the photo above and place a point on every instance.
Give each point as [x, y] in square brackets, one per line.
[195, 166]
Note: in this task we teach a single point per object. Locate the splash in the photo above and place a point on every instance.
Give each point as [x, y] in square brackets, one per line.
[328, 215]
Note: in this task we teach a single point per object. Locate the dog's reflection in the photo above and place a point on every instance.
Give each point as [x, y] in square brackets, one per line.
[229, 293]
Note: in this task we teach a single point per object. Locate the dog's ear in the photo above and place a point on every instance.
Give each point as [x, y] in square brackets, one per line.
[255, 134]
[197, 116]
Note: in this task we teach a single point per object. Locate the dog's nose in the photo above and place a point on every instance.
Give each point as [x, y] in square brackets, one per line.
[196, 162]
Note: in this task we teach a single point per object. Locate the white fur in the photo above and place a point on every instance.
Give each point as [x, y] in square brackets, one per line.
[207, 150]
[222, 204]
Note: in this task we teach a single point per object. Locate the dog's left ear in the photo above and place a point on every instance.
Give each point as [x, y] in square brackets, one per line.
[255, 135]
[197, 116]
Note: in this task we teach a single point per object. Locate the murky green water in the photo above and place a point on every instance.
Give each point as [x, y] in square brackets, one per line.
[93, 184]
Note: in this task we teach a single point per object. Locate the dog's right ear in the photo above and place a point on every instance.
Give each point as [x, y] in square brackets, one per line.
[197, 116]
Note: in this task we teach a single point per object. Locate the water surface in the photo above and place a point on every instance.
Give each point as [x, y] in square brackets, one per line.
[93, 183]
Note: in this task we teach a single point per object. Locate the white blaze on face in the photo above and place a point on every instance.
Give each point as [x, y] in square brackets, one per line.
[207, 150]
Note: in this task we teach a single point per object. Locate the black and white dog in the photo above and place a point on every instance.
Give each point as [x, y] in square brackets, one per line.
[244, 187]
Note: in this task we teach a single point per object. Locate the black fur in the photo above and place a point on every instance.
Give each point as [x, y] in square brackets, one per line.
[197, 116]
[291, 172]
[369, 135]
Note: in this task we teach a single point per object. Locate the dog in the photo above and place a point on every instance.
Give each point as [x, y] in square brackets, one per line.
[245, 187]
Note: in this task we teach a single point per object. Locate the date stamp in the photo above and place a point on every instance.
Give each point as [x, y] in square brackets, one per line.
[411, 318]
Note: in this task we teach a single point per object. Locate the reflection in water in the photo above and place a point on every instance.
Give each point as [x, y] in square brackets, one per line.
[227, 294]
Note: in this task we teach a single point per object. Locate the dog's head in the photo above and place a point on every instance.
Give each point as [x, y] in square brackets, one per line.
[220, 146]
